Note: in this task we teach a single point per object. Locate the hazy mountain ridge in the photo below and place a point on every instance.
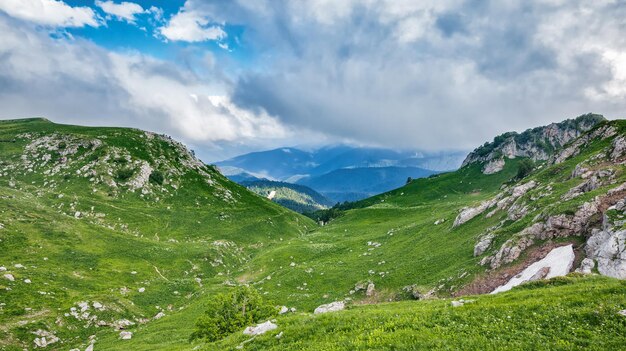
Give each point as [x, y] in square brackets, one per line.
[325, 169]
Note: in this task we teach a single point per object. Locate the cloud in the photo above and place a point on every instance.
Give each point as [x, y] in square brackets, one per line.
[52, 13]
[429, 74]
[191, 26]
[126, 11]
[75, 81]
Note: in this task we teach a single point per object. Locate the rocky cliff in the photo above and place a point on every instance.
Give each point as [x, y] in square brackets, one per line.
[538, 143]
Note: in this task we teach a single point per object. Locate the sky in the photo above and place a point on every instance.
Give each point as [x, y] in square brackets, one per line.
[233, 76]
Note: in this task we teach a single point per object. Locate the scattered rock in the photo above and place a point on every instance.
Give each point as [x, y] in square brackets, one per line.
[126, 335]
[370, 289]
[260, 328]
[483, 244]
[279, 335]
[622, 313]
[142, 289]
[331, 307]
[19, 265]
[159, 315]
[586, 266]
[283, 310]
[3, 269]
[45, 338]
[457, 303]
[27, 281]
[439, 221]
[10, 277]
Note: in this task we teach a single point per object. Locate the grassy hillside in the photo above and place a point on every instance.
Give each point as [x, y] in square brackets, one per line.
[85, 215]
[561, 314]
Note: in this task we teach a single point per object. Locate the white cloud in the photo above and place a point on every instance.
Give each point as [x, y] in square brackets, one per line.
[78, 82]
[191, 26]
[50, 13]
[126, 11]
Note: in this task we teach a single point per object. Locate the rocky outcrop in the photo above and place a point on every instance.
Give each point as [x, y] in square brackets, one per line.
[500, 201]
[494, 166]
[538, 143]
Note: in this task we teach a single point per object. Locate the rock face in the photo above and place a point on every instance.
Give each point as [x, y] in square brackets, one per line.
[586, 266]
[608, 248]
[537, 144]
[557, 263]
[331, 307]
[260, 328]
[494, 166]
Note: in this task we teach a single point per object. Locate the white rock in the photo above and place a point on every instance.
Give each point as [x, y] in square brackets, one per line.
[586, 266]
[279, 335]
[292, 264]
[19, 265]
[97, 305]
[141, 289]
[89, 348]
[77, 214]
[622, 312]
[27, 281]
[370, 289]
[331, 307]
[126, 335]
[10, 277]
[260, 328]
[494, 166]
[456, 303]
[159, 315]
[283, 310]
[557, 263]
[3, 269]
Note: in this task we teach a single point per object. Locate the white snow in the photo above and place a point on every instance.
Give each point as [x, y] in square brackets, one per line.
[559, 261]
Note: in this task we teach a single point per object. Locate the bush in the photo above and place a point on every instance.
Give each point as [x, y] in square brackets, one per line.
[524, 168]
[156, 177]
[125, 173]
[231, 312]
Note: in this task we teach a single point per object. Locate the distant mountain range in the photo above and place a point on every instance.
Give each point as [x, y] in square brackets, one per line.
[341, 173]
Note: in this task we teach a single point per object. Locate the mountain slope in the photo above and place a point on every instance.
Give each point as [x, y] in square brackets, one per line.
[295, 197]
[108, 226]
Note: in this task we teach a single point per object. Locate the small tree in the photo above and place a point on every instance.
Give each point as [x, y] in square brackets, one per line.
[228, 313]
[156, 177]
[524, 168]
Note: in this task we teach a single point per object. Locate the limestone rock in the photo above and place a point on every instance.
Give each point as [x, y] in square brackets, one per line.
[493, 166]
[331, 307]
[483, 244]
[586, 266]
[371, 288]
[126, 335]
[260, 328]
[9, 277]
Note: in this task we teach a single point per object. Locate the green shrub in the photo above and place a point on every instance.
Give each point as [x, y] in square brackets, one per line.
[124, 174]
[228, 313]
[524, 167]
[156, 177]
